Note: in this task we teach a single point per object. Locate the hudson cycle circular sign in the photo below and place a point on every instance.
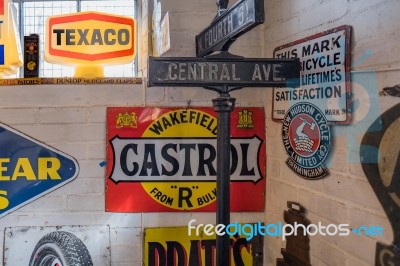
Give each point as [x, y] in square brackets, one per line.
[164, 159]
[307, 140]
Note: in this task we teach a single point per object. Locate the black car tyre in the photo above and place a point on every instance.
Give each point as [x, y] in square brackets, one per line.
[60, 249]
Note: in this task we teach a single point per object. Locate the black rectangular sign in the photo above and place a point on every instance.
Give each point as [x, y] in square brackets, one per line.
[204, 72]
[240, 18]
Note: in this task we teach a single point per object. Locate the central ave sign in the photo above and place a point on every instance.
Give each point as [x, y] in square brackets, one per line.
[223, 73]
[203, 72]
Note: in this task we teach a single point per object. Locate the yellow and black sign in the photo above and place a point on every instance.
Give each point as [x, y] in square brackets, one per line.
[90, 40]
[174, 246]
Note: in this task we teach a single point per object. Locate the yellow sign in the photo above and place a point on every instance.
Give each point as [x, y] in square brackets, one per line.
[10, 49]
[174, 246]
[90, 40]
[201, 125]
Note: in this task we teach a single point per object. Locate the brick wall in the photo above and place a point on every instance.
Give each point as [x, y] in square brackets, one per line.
[345, 196]
[72, 118]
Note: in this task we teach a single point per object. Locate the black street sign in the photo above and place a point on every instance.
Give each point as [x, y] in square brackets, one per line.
[223, 73]
[240, 18]
[207, 72]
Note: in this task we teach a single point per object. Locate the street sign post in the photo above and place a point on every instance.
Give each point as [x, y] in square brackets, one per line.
[224, 73]
[226, 28]
[227, 70]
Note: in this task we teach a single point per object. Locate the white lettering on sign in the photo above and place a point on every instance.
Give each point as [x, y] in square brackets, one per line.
[324, 62]
[208, 71]
[242, 14]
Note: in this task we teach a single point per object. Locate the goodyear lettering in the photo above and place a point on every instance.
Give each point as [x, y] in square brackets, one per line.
[186, 159]
[47, 168]
[29, 169]
[3, 200]
[92, 37]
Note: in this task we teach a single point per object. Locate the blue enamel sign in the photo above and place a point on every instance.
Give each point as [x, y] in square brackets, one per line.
[29, 169]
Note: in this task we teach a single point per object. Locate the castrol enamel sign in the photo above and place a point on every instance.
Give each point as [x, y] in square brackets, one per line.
[164, 159]
[90, 38]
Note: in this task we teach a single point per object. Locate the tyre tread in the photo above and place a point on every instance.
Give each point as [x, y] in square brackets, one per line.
[73, 249]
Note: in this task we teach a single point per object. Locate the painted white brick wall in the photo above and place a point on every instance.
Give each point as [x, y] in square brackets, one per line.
[72, 118]
[345, 196]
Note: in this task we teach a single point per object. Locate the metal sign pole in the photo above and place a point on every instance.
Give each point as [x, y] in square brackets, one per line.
[223, 105]
[223, 73]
